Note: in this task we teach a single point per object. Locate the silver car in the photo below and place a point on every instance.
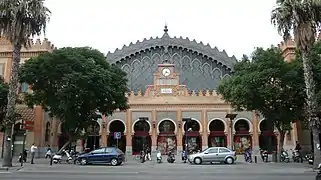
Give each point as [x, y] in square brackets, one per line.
[213, 154]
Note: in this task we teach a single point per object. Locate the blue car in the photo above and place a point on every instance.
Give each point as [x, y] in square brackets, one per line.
[104, 155]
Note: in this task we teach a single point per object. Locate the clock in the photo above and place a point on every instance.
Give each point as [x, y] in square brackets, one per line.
[166, 72]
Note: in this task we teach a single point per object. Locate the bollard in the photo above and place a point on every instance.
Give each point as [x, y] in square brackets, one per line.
[255, 159]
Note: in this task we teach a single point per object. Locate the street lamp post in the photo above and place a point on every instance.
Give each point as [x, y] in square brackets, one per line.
[231, 116]
[186, 120]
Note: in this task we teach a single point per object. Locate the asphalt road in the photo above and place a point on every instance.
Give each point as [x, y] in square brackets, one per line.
[153, 171]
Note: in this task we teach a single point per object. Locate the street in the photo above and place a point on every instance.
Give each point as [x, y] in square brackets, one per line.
[154, 171]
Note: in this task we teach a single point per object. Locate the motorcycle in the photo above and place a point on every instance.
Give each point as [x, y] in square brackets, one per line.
[184, 156]
[318, 176]
[311, 159]
[171, 158]
[296, 156]
[264, 155]
[142, 157]
[285, 157]
[248, 156]
[57, 158]
[23, 156]
[159, 157]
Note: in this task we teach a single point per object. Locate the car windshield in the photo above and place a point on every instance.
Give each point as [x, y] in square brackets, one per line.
[119, 151]
[205, 149]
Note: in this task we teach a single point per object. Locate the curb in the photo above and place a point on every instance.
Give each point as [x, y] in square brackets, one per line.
[16, 168]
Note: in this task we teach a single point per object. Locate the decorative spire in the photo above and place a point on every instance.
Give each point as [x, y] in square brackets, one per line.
[165, 28]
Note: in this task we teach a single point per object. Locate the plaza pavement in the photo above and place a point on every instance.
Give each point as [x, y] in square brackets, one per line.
[150, 170]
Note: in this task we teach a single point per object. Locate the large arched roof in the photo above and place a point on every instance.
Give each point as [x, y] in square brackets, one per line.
[166, 41]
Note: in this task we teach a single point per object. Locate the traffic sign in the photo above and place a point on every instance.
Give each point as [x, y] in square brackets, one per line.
[117, 135]
[28, 125]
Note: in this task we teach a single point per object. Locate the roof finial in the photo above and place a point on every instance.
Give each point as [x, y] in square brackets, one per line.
[165, 28]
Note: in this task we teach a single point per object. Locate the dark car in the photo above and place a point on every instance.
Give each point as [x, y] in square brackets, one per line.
[104, 155]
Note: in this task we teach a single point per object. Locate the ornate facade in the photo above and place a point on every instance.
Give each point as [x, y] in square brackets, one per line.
[170, 79]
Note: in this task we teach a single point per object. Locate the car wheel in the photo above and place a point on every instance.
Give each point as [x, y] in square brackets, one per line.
[83, 161]
[197, 160]
[114, 162]
[229, 160]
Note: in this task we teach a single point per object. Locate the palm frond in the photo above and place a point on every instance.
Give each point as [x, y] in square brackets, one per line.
[23, 19]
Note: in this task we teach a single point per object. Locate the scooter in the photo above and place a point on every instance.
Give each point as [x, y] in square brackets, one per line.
[184, 156]
[159, 157]
[248, 156]
[142, 157]
[23, 156]
[285, 157]
[57, 158]
[318, 176]
[296, 156]
[264, 155]
[171, 158]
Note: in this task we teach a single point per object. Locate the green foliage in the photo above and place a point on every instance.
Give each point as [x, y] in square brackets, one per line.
[268, 84]
[4, 88]
[73, 84]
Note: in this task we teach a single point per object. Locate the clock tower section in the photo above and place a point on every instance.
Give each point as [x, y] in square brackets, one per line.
[166, 80]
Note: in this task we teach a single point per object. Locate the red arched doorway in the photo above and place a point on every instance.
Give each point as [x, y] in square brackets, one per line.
[166, 140]
[63, 137]
[242, 137]
[217, 137]
[193, 140]
[267, 138]
[141, 138]
[93, 138]
[117, 126]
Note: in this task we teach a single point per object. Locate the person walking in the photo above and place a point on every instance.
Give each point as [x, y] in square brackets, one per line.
[33, 150]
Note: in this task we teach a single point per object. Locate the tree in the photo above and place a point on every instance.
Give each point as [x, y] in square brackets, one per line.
[303, 19]
[3, 102]
[75, 85]
[269, 85]
[19, 20]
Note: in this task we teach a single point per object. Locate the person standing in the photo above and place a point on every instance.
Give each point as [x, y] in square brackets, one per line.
[33, 150]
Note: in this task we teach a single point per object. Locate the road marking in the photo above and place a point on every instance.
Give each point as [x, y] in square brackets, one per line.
[5, 172]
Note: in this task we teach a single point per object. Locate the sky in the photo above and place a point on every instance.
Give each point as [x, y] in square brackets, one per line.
[238, 26]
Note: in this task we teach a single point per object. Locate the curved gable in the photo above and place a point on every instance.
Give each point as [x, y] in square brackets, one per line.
[199, 65]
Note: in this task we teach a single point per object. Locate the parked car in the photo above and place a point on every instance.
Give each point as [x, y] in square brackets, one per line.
[104, 155]
[213, 154]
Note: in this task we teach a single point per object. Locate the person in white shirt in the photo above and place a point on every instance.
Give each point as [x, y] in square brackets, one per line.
[33, 150]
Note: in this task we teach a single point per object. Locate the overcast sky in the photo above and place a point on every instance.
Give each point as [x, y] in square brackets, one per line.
[238, 26]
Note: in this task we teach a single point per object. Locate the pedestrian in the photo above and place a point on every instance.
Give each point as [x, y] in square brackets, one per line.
[33, 150]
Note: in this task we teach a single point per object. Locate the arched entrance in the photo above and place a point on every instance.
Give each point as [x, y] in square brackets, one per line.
[217, 137]
[63, 137]
[93, 138]
[192, 136]
[166, 140]
[242, 137]
[267, 138]
[141, 138]
[18, 136]
[117, 126]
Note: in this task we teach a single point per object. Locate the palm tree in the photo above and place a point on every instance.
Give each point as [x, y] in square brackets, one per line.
[302, 18]
[20, 20]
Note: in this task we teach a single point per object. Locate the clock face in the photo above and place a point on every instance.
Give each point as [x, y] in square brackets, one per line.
[166, 72]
